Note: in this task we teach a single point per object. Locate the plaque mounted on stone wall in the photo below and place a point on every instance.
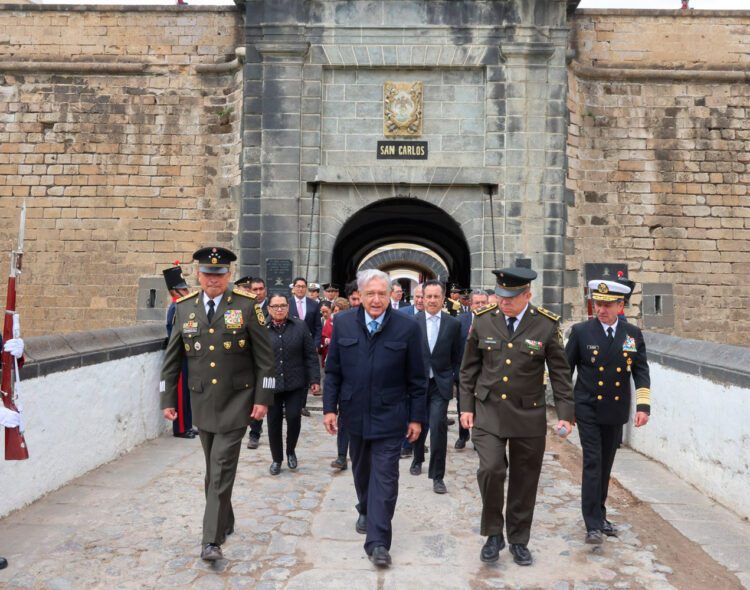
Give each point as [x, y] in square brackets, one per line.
[402, 109]
[278, 274]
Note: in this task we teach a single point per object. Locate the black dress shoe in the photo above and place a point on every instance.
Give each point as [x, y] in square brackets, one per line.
[521, 553]
[491, 548]
[451, 421]
[460, 444]
[186, 434]
[339, 463]
[3, 563]
[291, 461]
[594, 537]
[608, 529]
[361, 526]
[416, 468]
[252, 442]
[275, 468]
[305, 412]
[406, 453]
[380, 557]
[211, 552]
[438, 486]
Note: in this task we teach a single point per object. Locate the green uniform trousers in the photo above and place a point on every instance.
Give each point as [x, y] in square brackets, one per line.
[222, 452]
[525, 465]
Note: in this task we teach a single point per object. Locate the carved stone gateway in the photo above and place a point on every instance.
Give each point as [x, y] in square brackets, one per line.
[348, 105]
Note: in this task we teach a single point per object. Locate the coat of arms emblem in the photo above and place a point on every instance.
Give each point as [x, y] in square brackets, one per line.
[402, 109]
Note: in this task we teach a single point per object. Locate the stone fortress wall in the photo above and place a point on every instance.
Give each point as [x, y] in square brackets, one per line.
[124, 143]
[659, 164]
[121, 129]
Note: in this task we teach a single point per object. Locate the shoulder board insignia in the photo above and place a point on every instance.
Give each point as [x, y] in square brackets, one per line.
[548, 313]
[181, 299]
[484, 308]
[244, 294]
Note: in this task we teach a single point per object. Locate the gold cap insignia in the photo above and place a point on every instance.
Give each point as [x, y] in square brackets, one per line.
[603, 288]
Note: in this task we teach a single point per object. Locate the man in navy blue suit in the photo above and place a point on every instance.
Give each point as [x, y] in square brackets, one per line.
[417, 306]
[375, 378]
[308, 307]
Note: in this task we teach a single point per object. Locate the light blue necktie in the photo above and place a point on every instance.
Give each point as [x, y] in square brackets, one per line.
[373, 327]
[432, 334]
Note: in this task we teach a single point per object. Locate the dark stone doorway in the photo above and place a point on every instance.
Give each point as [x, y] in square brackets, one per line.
[401, 220]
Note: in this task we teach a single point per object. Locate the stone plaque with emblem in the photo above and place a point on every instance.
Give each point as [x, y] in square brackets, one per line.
[402, 109]
[279, 274]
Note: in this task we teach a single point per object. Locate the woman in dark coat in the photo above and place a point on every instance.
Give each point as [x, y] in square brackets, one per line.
[296, 369]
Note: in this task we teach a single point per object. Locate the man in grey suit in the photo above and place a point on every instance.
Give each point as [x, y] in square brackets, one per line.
[441, 343]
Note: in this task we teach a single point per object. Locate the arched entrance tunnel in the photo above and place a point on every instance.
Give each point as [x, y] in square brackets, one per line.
[399, 220]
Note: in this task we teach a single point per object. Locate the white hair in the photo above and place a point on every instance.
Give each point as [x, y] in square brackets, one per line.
[371, 274]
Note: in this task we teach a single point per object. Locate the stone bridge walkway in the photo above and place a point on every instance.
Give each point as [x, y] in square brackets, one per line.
[135, 523]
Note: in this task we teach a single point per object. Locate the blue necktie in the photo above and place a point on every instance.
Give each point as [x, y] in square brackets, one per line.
[211, 310]
[373, 327]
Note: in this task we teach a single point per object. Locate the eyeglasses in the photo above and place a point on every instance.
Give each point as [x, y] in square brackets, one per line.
[278, 307]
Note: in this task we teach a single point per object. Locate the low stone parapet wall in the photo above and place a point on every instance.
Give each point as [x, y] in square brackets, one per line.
[699, 427]
[88, 397]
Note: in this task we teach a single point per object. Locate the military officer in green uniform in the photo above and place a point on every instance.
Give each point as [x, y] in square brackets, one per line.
[503, 400]
[231, 366]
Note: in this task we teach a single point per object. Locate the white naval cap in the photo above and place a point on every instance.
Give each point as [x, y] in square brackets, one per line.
[603, 290]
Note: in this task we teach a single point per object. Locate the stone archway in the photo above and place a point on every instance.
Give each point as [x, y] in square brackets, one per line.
[408, 220]
[408, 257]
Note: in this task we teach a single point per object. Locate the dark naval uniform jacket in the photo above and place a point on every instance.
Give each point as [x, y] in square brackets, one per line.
[502, 376]
[230, 360]
[604, 369]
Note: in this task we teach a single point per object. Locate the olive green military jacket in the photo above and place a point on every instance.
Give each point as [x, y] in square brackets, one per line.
[502, 376]
[230, 360]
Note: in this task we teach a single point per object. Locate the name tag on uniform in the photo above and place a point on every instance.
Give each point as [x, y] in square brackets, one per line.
[489, 342]
[534, 345]
[233, 318]
[629, 344]
[190, 327]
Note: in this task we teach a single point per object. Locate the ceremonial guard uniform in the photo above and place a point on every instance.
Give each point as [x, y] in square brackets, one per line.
[502, 387]
[231, 365]
[183, 426]
[602, 396]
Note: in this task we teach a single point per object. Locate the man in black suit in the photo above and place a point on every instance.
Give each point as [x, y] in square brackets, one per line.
[306, 308]
[375, 378]
[477, 299]
[441, 342]
[606, 351]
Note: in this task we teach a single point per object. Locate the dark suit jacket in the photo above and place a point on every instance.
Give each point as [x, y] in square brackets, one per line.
[604, 369]
[312, 317]
[464, 319]
[377, 383]
[444, 357]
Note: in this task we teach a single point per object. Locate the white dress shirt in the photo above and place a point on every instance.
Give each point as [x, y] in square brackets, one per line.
[607, 327]
[216, 301]
[304, 306]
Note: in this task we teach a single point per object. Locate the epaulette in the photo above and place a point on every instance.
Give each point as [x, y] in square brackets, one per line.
[244, 294]
[548, 313]
[193, 294]
[484, 308]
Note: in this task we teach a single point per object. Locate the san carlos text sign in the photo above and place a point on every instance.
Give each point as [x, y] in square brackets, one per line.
[402, 150]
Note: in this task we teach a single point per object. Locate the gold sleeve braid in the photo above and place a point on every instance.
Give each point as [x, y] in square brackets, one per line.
[643, 396]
